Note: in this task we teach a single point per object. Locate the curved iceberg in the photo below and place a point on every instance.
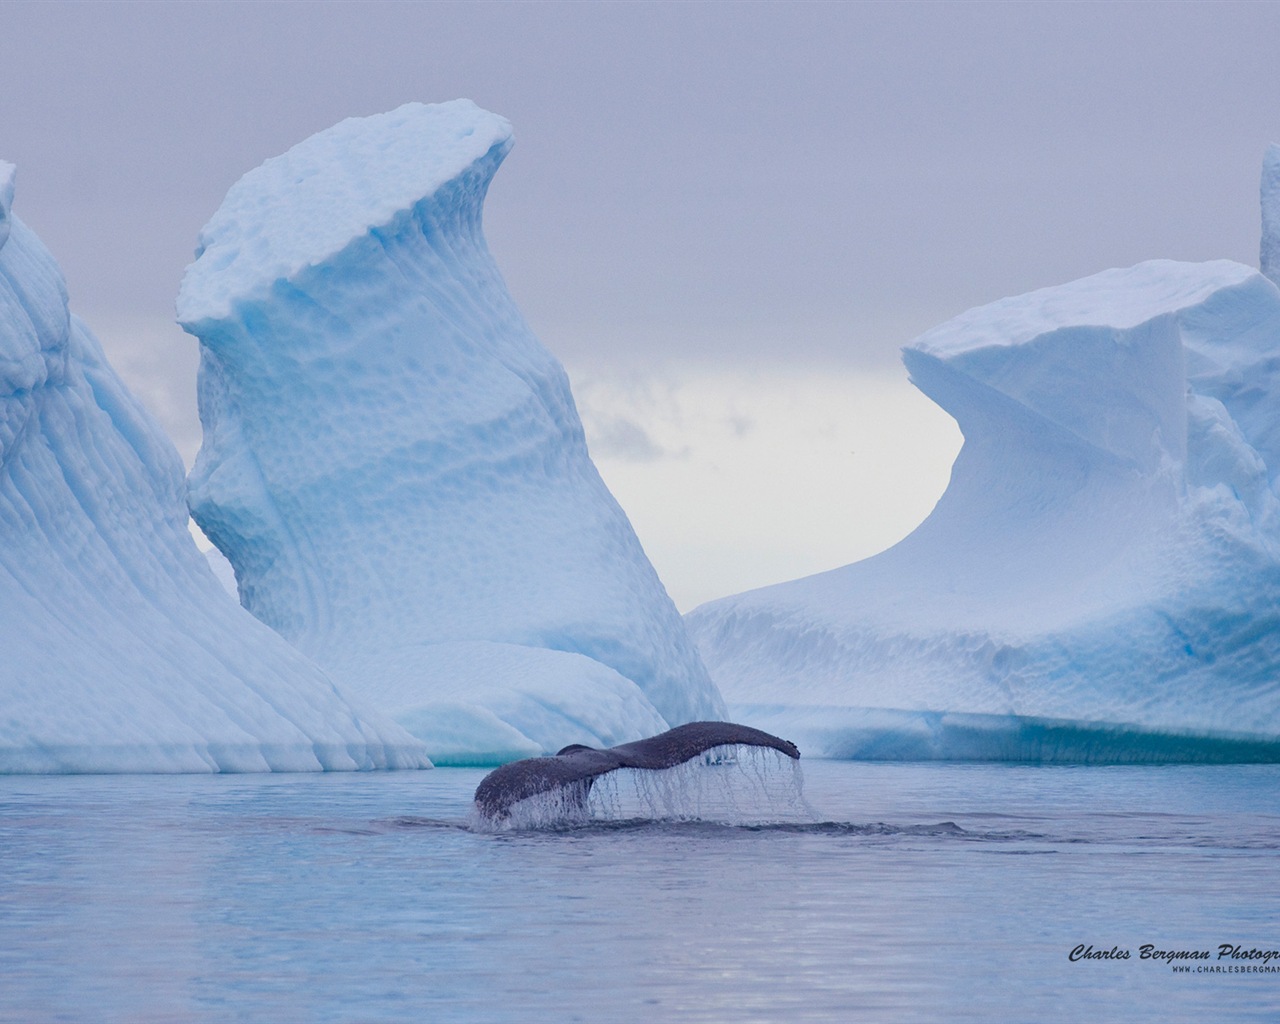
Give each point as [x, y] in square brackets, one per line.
[1101, 579]
[395, 466]
[119, 651]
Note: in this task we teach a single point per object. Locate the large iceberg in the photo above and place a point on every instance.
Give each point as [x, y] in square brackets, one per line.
[394, 464]
[1101, 578]
[119, 651]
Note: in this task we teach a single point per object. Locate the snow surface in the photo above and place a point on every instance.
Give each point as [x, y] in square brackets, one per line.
[303, 207]
[395, 466]
[1101, 579]
[1270, 250]
[120, 651]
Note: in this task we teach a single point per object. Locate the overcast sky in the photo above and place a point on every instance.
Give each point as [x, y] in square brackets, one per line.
[724, 218]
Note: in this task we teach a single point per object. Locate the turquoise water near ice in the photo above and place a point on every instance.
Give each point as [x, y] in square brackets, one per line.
[922, 892]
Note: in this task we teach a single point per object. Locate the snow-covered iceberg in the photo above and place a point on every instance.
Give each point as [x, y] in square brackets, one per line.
[1101, 578]
[119, 651]
[394, 464]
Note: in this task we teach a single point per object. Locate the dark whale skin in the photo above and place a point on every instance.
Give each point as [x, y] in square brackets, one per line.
[577, 766]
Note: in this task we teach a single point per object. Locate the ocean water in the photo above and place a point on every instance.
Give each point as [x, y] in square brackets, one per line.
[910, 892]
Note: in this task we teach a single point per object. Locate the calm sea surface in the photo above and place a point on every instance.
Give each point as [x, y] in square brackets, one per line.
[920, 893]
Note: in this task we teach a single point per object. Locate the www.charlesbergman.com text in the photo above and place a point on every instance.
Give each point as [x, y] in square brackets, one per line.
[1229, 958]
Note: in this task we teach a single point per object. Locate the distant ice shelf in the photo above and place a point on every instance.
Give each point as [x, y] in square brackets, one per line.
[1101, 579]
[119, 651]
[394, 464]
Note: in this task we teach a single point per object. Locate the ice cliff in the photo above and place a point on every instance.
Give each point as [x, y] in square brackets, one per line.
[119, 651]
[394, 464]
[1101, 578]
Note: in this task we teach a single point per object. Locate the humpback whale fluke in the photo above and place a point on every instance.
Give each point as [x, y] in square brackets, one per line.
[578, 766]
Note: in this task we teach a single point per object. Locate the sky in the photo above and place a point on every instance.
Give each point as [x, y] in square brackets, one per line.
[725, 218]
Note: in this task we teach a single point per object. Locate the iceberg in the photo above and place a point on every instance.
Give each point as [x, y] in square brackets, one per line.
[1100, 580]
[1270, 248]
[394, 464]
[120, 650]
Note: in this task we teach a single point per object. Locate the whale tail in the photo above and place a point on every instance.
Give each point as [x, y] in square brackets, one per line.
[572, 771]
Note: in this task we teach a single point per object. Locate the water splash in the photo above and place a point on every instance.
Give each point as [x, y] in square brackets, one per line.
[736, 784]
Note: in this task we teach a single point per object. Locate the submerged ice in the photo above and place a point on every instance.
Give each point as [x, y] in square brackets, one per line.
[1101, 579]
[394, 464]
[119, 651]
